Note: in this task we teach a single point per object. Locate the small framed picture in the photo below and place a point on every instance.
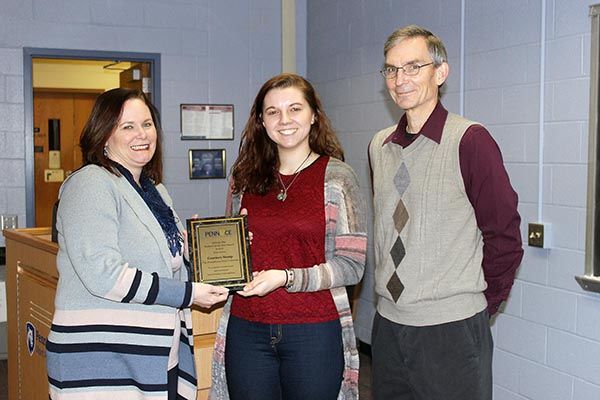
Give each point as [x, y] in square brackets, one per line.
[206, 121]
[207, 163]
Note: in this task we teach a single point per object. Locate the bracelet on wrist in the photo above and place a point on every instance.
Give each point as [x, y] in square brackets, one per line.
[289, 278]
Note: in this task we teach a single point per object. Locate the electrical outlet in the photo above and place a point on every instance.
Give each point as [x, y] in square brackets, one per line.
[538, 235]
[8, 221]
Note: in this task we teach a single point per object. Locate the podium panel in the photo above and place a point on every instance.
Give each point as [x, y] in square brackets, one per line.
[35, 307]
[31, 279]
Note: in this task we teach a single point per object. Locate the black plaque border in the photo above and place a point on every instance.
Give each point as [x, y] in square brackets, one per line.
[241, 222]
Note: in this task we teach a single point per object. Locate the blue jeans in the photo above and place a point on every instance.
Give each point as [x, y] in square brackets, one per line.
[289, 361]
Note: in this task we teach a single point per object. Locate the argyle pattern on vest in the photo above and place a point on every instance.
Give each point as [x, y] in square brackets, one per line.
[401, 182]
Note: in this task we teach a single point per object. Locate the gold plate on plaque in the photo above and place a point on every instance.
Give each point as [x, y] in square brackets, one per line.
[219, 251]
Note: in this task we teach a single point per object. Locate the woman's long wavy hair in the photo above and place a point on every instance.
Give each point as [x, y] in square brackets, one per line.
[255, 169]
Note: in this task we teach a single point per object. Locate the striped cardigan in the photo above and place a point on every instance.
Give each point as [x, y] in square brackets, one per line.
[345, 255]
[120, 307]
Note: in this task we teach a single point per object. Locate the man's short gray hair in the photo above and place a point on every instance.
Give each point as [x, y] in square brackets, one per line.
[434, 43]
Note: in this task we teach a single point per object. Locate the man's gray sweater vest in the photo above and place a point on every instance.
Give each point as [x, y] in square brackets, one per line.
[428, 248]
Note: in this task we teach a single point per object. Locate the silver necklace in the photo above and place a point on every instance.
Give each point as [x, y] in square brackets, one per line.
[282, 195]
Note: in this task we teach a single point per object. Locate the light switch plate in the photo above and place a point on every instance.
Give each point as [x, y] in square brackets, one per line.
[538, 235]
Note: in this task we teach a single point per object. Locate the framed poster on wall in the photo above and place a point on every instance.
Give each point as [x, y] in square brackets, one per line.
[206, 121]
[207, 163]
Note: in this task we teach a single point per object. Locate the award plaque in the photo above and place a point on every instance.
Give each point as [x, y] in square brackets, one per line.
[219, 251]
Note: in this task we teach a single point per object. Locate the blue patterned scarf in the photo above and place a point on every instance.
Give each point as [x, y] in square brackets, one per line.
[162, 212]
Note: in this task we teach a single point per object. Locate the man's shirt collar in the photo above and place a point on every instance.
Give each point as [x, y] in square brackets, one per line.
[432, 128]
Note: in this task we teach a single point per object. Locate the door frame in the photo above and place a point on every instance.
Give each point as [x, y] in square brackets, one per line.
[29, 53]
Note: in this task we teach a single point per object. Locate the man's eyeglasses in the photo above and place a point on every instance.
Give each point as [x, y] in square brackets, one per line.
[391, 71]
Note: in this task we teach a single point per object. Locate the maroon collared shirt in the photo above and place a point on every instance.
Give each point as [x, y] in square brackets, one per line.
[491, 195]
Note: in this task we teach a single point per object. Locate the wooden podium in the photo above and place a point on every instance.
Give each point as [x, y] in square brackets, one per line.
[31, 279]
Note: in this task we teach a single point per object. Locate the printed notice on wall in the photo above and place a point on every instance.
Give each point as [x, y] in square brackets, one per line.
[207, 121]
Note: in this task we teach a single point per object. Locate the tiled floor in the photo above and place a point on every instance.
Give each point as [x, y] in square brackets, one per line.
[364, 379]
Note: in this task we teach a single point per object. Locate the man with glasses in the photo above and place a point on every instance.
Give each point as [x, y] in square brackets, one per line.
[447, 236]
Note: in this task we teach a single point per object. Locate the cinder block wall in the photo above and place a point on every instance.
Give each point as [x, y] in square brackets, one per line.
[547, 337]
[211, 52]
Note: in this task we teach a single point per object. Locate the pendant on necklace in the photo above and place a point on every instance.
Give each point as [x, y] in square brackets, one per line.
[282, 195]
